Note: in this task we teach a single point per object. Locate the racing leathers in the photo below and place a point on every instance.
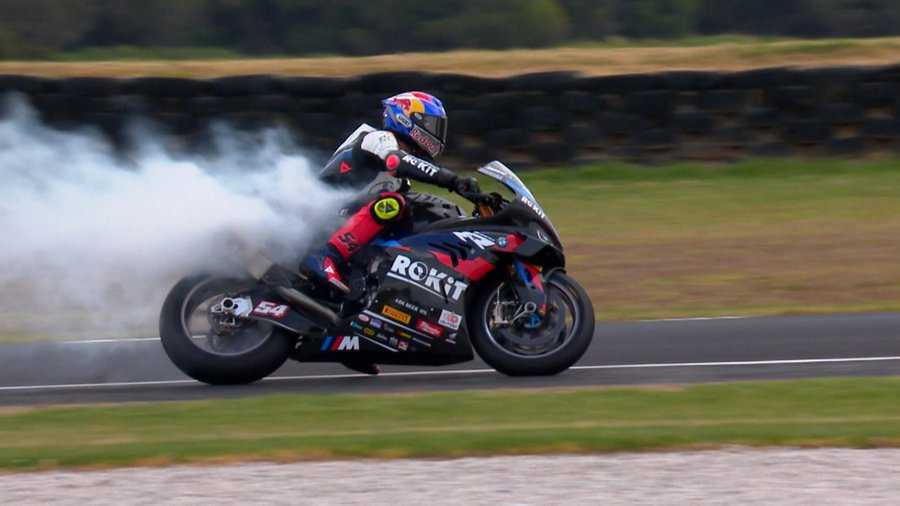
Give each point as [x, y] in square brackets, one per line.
[370, 156]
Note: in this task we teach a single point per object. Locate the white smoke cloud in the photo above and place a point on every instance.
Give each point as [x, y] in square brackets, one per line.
[92, 240]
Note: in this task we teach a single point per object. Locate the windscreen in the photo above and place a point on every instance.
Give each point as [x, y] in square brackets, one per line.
[506, 176]
[509, 179]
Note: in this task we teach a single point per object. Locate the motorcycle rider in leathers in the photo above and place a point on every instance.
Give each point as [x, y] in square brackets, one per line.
[414, 134]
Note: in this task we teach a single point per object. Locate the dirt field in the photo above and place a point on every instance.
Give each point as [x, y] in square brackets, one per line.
[594, 60]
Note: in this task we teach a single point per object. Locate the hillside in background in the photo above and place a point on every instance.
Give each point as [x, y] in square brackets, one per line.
[53, 29]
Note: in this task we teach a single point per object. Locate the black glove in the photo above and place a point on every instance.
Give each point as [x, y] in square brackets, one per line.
[466, 186]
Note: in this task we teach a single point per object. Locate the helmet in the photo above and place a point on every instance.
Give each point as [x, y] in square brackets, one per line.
[418, 117]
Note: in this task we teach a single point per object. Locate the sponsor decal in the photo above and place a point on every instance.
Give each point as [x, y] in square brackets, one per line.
[410, 306]
[270, 310]
[429, 328]
[388, 327]
[381, 336]
[426, 140]
[363, 318]
[430, 279]
[375, 323]
[452, 335]
[345, 167]
[533, 206]
[393, 342]
[427, 168]
[404, 335]
[396, 314]
[502, 242]
[477, 238]
[345, 343]
[403, 345]
[369, 332]
[403, 120]
[493, 172]
[356, 325]
[450, 319]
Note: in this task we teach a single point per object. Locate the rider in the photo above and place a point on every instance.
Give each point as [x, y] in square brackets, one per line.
[414, 134]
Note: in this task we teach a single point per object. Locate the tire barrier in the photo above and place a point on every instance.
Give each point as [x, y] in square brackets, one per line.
[540, 118]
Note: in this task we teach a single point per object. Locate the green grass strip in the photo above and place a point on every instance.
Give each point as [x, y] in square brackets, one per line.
[857, 413]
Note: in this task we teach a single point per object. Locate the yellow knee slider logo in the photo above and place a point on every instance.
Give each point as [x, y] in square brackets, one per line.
[387, 208]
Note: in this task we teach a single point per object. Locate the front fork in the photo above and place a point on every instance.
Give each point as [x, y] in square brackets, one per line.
[528, 285]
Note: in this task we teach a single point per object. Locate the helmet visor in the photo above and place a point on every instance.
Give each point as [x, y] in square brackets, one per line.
[436, 126]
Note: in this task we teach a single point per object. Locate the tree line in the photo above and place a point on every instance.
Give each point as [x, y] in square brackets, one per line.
[44, 28]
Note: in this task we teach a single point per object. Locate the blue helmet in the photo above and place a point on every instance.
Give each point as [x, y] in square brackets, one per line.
[418, 117]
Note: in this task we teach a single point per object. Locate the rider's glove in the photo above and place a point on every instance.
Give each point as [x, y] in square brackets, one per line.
[466, 185]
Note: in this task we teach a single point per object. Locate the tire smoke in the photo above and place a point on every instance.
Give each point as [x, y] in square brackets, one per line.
[92, 240]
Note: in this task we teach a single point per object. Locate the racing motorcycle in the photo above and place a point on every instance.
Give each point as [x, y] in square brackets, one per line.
[445, 287]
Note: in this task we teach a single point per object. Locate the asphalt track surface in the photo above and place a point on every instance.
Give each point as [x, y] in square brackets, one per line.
[630, 353]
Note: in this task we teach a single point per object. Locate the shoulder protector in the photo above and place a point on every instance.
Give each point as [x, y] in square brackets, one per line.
[380, 143]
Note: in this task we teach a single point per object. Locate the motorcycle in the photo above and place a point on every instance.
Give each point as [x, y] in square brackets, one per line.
[435, 293]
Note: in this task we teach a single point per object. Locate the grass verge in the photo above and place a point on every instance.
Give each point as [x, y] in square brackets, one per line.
[755, 238]
[833, 412]
[603, 58]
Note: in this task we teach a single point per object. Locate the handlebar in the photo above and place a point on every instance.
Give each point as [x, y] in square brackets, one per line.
[491, 200]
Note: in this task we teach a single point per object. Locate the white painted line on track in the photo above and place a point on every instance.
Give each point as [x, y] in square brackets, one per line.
[114, 341]
[693, 319]
[464, 372]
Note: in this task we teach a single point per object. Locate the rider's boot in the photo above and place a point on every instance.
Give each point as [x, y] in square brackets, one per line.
[322, 267]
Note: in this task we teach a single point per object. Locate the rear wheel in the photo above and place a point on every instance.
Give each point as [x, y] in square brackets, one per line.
[214, 350]
[521, 344]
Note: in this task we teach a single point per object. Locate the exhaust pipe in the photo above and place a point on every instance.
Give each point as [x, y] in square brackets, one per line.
[262, 268]
[302, 301]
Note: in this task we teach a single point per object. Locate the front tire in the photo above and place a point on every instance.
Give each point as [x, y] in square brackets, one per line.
[217, 363]
[554, 351]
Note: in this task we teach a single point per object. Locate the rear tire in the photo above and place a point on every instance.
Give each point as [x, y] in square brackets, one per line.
[553, 361]
[203, 365]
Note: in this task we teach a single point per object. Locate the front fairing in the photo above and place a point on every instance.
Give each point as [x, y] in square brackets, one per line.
[523, 196]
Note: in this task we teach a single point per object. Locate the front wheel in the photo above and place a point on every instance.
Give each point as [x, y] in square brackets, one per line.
[213, 351]
[519, 345]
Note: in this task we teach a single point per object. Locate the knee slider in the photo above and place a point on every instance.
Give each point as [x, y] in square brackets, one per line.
[388, 207]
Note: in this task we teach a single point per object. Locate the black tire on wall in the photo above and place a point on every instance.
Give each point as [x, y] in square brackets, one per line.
[544, 82]
[806, 131]
[245, 86]
[882, 129]
[581, 103]
[876, 94]
[692, 122]
[167, 87]
[543, 119]
[27, 84]
[314, 87]
[690, 80]
[90, 86]
[553, 151]
[722, 100]
[507, 138]
[847, 146]
[841, 113]
[654, 104]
